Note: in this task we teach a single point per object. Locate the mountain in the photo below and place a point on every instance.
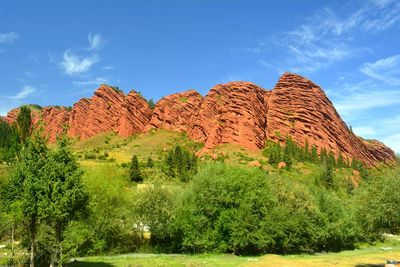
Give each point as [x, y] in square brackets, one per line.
[236, 112]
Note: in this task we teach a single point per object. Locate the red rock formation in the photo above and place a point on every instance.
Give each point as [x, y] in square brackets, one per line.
[135, 115]
[300, 109]
[78, 117]
[103, 114]
[13, 114]
[237, 112]
[232, 113]
[175, 112]
[55, 119]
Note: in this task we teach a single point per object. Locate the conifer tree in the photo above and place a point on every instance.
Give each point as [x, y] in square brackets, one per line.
[314, 154]
[134, 171]
[150, 163]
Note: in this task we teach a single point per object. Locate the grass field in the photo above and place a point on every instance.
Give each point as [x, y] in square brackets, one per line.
[369, 257]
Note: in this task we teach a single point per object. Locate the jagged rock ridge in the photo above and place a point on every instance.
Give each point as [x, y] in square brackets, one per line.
[237, 112]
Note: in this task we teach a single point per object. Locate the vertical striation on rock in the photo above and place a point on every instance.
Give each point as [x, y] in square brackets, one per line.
[299, 108]
[175, 112]
[104, 111]
[55, 119]
[78, 117]
[135, 115]
[237, 112]
[232, 113]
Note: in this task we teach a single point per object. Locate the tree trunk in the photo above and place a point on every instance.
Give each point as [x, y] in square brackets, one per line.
[32, 263]
[12, 241]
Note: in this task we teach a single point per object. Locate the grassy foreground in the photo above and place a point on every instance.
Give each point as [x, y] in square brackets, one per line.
[368, 257]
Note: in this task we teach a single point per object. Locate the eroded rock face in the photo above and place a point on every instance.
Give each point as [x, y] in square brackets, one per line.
[135, 115]
[55, 120]
[13, 114]
[175, 112]
[299, 108]
[237, 112]
[104, 111]
[232, 113]
[78, 117]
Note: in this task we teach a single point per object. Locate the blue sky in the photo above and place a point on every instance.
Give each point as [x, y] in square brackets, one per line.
[55, 52]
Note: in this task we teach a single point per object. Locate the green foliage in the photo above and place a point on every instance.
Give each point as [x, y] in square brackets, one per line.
[155, 208]
[134, 170]
[180, 163]
[223, 211]
[150, 162]
[378, 203]
[25, 189]
[24, 123]
[151, 103]
[116, 89]
[9, 142]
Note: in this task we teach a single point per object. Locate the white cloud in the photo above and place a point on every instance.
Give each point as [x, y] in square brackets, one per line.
[385, 69]
[73, 64]
[96, 41]
[365, 131]
[366, 100]
[393, 141]
[97, 81]
[328, 38]
[8, 38]
[24, 93]
[109, 67]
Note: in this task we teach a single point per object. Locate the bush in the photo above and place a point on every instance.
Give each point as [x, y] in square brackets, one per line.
[90, 156]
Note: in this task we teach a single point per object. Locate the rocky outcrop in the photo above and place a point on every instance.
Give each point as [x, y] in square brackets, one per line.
[55, 120]
[12, 115]
[232, 113]
[299, 108]
[175, 112]
[104, 111]
[134, 116]
[237, 112]
[78, 117]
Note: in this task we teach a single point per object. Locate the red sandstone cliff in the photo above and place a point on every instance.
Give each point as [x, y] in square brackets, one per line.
[237, 112]
[134, 116]
[175, 112]
[232, 113]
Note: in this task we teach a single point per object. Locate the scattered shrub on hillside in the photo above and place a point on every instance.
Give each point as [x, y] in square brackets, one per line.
[90, 156]
[150, 162]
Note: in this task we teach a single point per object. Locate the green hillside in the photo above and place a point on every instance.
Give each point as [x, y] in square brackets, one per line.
[225, 200]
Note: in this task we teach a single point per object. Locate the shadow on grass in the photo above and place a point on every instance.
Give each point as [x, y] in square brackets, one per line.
[89, 264]
[370, 265]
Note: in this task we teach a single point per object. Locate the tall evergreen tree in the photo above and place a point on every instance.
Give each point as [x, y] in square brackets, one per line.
[24, 123]
[134, 171]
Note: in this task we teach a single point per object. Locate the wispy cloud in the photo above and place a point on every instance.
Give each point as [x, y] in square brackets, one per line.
[96, 81]
[109, 67]
[73, 64]
[393, 141]
[8, 38]
[328, 38]
[24, 93]
[385, 69]
[96, 41]
[366, 100]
